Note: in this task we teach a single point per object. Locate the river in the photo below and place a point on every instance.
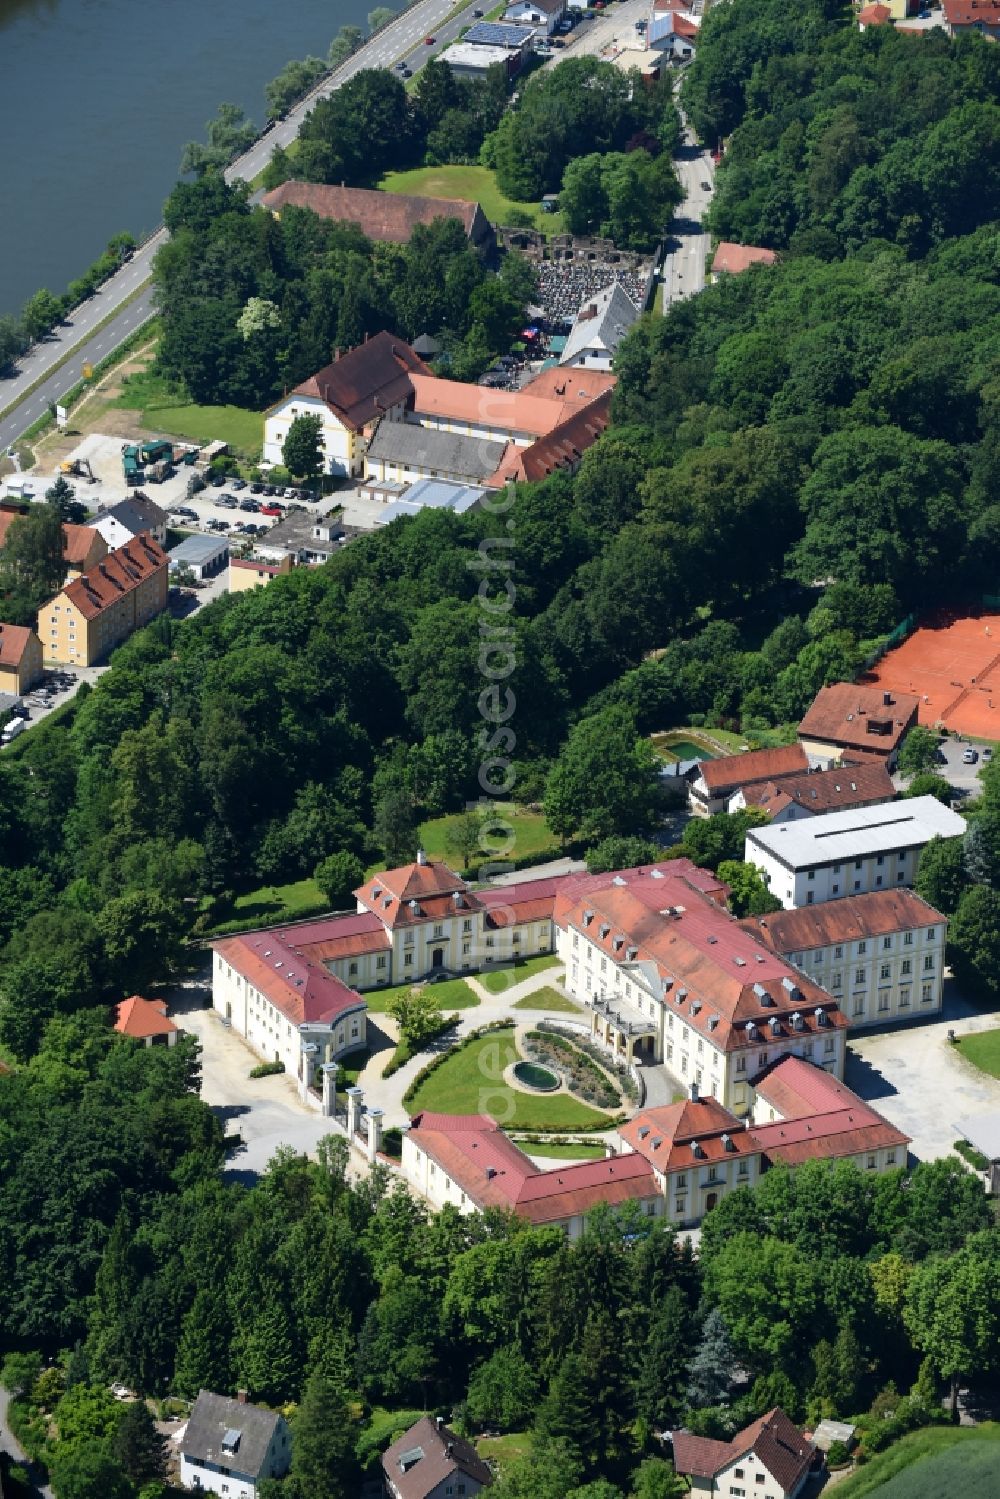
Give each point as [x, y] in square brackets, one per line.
[98, 97]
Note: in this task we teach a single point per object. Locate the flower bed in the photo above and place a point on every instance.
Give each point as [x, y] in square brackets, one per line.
[582, 1075]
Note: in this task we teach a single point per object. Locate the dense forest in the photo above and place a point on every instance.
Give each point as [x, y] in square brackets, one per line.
[799, 457]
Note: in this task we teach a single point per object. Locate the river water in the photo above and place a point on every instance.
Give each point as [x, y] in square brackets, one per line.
[97, 98]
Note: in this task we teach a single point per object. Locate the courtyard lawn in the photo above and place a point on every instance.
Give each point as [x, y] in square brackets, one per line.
[501, 979]
[983, 1051]
[928, 1464]
[593, 1152]
[474, 184]
[454, 994]
[547, 999]
[352, 1066]
[471, 1081]
[280, 903]
[530, 831]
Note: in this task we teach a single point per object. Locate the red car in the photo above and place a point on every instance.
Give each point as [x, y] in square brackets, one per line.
[270, 510]
[428, 41]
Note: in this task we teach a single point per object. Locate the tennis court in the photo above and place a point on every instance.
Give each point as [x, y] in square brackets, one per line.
[953, 666]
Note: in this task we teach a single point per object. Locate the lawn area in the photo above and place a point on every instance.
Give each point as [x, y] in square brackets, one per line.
[164, 409]
[280, 902]
[983, 1051]
[353, 1065]
[514, 973]
[547, 999]
[473, 183]
[929, 1464]
[506, 1448]
[471, 1082]
[454, 994]
[530, 831]
[563, 1152]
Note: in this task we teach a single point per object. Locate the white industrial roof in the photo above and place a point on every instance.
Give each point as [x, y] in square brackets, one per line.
[855, 833]
[471, 55]
[195, 551]
[982, 1131]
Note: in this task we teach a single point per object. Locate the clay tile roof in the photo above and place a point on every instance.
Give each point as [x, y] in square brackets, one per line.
[368, 380]
[859, 717]
[797, 1089]
[143, 1017]
[573, 387]
[13, 644]
[874, 15]
[971, 12]
[731, 771]
[700, 1457]
[880, 913]
[121, 571]
[302, 989]
[826, 790]
[77, 540]
[736, 258]
[562, 448]
[774, 1439]
[426, 1456]
[381, 216]
[416, 892]
[497, 410]
[849, 1131]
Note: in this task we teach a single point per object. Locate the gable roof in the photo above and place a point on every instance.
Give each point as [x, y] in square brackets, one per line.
[867, 718]
[848, 1131]
[562, 448]
[774, 1439]
[443, 452]
[736, 258]
[825, 790]
[415, 892]
[426, 1455]
[575, 387]
[797, 1089]
[520, 411]
[971, 12]
[213, 1417]
[121, 571]
[367, 380]
[731, 771]
[879, 913]
[302, 989]
[381, 216]
[136, 511]
[690, 1133]
[874, 15]
[140, 1018]
[14, 641]
[601, 323]
[78, 541]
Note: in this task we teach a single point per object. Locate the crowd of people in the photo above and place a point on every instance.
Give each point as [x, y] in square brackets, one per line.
[564, 285]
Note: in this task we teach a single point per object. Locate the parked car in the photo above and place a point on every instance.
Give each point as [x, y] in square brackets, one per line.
[270, 509]
[970, 756]
[217, 480]
[429, 41]
[186, 512]
[256, 487]
[406, 73]
[238, 483]
[987, 754]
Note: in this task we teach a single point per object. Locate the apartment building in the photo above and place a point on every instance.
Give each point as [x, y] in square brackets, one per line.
[817, 859]
[94, 613]
[880, 955]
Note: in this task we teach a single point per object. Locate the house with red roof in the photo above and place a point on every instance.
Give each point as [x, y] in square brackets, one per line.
[842, 788]
[145, 1020]
[962, 16]
[873, 15]
[802, 1114]
[770, 1458]
[846, 719]
[20, 659]
[718, 780]
[698, 1151]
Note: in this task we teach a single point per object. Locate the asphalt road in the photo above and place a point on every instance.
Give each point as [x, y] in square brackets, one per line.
[688, 246]
[9, 1443]
[403, 39]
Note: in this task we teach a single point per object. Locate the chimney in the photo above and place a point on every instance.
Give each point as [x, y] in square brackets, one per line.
[242, 1396]
[421, 856]
[449, 1449]
[887, 699]
[439, 1422]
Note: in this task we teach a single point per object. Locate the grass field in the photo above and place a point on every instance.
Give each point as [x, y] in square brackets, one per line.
[504, 1449]
[163, 409]
[563, 1152]
[280, 902]
[547, 999]
[935, 1463]
[471, 1082]
[352, 1066]
[454, 994]
[530, 831]
[502, 979]
[983, 1051]
[476, 184]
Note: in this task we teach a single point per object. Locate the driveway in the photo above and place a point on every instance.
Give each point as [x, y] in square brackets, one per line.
[918, 1080]
[9, 1443]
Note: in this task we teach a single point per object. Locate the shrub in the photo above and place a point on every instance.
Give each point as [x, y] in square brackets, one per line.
[267, 1069]
[583, 1075]
[838, 1455]
[971, 1154]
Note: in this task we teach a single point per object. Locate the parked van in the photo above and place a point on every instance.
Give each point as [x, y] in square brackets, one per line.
[12, 729]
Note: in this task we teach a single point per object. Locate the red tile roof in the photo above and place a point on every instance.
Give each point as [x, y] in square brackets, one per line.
[971, 12]
[797, 1089]
[77, 540]
[665, 1136]
[441, 1454]
[562, 448]
[700, 1457]
[300, 988]
[13, 644]
[824, 1137]
[416, 892]
[339, 937]
[576, 387]
[858, 717]
[880, 913]
[825, 790]
[523, 411]
[736, 258]
[121, 571]
[773, 1439]
[874, 15]
[367, 381]
[382, 216]
[143, 1017]
[731, 771]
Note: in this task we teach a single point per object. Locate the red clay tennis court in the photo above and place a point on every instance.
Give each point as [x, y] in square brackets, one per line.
[953, 666]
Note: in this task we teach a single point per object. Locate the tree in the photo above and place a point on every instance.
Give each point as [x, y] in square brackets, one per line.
[710, 1372]
[464, 836]
[621, 853]
[711, 841]
[230, 133]
[417, 1012]
[137, 1446]
[323, 1438]
[748, 894]
[81, 1472]
[395, 826]
[338, 876]
[302, 450]
[918, 751]
[655, 1478]
[41, 313]
[928, 784]
[32, 566]
[953, 1312]
[974, 941]
[291, 84]
[141, 931]
[379, 17]
[941, 878]
[347, 40]
[503, 1391]
[261, 316]
[604, 781]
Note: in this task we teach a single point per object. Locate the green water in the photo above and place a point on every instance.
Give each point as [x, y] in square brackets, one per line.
[686, 749]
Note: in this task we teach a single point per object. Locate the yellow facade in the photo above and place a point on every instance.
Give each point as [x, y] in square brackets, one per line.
[251, 574]
[17, 678]
[69, 638]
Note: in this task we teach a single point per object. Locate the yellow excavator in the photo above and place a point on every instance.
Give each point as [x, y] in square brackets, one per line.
[80, 467]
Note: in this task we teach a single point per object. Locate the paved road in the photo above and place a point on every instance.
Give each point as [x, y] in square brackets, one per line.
[9, 1443]
[684, 264]
[402, 39]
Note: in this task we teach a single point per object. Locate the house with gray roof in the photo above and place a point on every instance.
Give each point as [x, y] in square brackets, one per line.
[405, 451]
[601, 324]
[119, 524]
[229, 1446]
[430, 1462]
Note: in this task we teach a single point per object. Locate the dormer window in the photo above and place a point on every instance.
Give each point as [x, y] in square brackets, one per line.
[604, 931]
[588, 917]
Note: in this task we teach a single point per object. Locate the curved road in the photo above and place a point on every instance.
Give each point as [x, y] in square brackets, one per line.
[9, 1443]
[81, 341]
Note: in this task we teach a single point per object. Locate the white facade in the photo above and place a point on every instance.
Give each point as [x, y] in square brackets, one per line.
[848, 853]
[116, 534]
[268, 1030]
[747, 1475]
[343, 449]
[230, 1483]
[460, 944]
[875, 980]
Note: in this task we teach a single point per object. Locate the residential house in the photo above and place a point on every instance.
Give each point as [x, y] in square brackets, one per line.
[230, 1446]
[129, 518]
[250, 573]
[542, 15]
[94, 613]
[514, 39]
[839, 854]
[387, 217]
[874, 15]
[731, 260]
[770, 1458]
[307, 539]
[881, 955]
[718, 780]
[430, 1462]
[672, 31]
[601, 324]
[977, 16]
[349, 396]
[801, 1114]
[287, 1006]
[466, 1160]
[83, 547]
[817, 791]
[20, 659]
[145, 1020]
[404, 451]
[670, 977]
[699, 1152]
[846, 719]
